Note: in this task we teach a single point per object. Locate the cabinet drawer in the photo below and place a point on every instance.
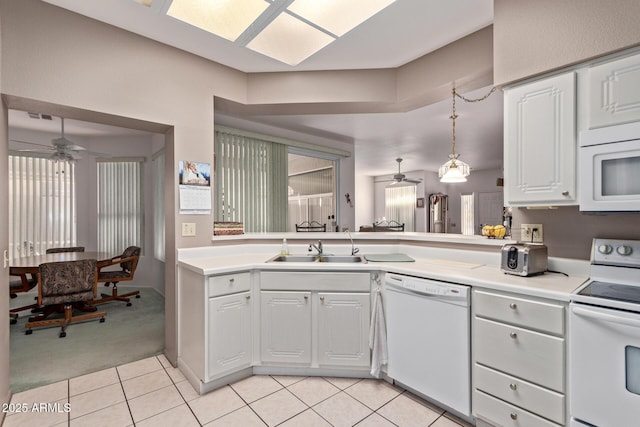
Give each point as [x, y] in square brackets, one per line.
[542, 316]
[503, 414]
[536, 399]
[530, 355]
[228, 284]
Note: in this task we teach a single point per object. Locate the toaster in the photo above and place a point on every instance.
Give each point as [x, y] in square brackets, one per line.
[524, 259]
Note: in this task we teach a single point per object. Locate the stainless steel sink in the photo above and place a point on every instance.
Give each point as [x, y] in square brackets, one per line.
[294, 258]
[317, 258]
[341, 258]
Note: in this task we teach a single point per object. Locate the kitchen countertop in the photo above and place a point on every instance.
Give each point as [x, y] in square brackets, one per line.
[548, 285]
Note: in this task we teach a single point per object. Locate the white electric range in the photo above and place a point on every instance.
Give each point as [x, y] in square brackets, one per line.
[604, 341]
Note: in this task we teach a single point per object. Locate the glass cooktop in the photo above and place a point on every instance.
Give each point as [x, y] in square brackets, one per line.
[612, 291]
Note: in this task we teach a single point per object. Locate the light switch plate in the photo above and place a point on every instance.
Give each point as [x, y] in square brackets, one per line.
[188, 229]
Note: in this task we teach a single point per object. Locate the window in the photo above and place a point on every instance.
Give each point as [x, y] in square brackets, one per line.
[399, 205]
[312, 189]
[42, 205]
[120, 204]
[158, 162]
[251, 182]
[467, 214]
[269, 183]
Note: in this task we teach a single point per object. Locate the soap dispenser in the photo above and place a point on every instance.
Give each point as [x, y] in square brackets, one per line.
[284, 250]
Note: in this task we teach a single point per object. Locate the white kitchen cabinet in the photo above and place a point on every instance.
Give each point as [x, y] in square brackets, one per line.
[343, 329]
[519, 352]
[214, 325]
[230, 338]
[285, 327]
[315, 319]
[540, 142]
[614, 92]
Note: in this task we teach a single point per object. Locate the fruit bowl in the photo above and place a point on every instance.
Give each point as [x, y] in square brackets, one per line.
[494, 231]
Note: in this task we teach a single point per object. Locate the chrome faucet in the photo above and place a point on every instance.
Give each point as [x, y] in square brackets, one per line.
[317, 247]
[354, 250]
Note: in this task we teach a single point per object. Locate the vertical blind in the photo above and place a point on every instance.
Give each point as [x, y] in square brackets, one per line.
[42, 205]
[467, 214]
[158, 162]
[120, 204]
[399, 205]
[251, 182]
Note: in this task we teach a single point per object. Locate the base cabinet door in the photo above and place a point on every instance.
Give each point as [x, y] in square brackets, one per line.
[230, 338]
[285, 327]
[343, 329]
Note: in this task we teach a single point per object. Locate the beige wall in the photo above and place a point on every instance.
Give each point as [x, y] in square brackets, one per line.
[536, 36]
[568, 233]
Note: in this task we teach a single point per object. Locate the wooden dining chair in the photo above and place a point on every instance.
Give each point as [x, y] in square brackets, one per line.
[388, 226]
[311, 226]
[63, 287]
[127, 264]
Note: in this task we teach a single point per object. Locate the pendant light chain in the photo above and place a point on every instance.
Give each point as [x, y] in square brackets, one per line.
[455, 170]
[453, 118]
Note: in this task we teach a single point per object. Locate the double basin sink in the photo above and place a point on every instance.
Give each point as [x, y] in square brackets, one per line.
[318, 258]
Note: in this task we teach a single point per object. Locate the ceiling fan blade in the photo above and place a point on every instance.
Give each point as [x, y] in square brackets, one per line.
[414, 181]
[48, 147]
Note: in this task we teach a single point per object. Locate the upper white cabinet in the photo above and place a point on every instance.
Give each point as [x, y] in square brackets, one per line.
[540, 142]
[614, 92]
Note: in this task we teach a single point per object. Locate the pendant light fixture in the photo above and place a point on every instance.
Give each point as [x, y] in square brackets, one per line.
[454, 170]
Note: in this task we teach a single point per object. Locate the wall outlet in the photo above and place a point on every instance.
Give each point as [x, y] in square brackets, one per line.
[531, 233]
[188, 229]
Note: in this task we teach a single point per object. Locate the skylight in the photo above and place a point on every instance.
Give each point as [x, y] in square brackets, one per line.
[289, 31]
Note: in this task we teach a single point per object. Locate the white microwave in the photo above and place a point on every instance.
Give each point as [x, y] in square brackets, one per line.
[609, 162]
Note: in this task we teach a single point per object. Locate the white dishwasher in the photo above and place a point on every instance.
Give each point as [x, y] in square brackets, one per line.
[428, 336]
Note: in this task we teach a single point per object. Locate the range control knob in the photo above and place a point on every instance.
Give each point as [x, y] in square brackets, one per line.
[605, 249]
[624, 250]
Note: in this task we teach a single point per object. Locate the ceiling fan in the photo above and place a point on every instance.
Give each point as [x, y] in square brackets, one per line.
[61, 149]
[400, 177]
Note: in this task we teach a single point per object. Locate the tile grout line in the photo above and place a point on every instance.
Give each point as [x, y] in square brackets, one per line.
[247, 404]
[178, 390]
[125, 396]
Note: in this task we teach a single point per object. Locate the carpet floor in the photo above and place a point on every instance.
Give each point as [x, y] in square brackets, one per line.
[128, 334]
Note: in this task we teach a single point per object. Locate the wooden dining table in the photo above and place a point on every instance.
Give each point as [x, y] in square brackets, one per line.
[31, 263]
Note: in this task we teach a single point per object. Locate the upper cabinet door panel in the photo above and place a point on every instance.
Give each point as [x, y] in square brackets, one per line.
[540, 142]
[614, 92]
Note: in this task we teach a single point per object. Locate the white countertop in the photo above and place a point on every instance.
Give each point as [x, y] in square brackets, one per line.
[489, 276]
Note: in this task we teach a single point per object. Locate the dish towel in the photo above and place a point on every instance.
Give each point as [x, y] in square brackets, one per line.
[378, 335]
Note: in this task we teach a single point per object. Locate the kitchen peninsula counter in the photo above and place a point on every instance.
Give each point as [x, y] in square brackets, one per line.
[467, 260]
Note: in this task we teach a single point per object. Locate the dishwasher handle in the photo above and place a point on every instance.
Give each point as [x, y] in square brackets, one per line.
[461, 300]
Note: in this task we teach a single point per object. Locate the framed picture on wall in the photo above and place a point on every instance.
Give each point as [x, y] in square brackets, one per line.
[420, 202]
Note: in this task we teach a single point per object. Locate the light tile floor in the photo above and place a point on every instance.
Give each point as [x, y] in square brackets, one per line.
[150, 392]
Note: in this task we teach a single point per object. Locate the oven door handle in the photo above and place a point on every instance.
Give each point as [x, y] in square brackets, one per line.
[606, 317]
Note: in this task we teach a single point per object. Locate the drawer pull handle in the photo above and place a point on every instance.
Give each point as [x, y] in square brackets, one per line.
[513, 306]
[306, 297]
[248, 296]
[513, 386]
[514, 416]
[232, 280]
[513, 335]
[321, 298]
[565, 193]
